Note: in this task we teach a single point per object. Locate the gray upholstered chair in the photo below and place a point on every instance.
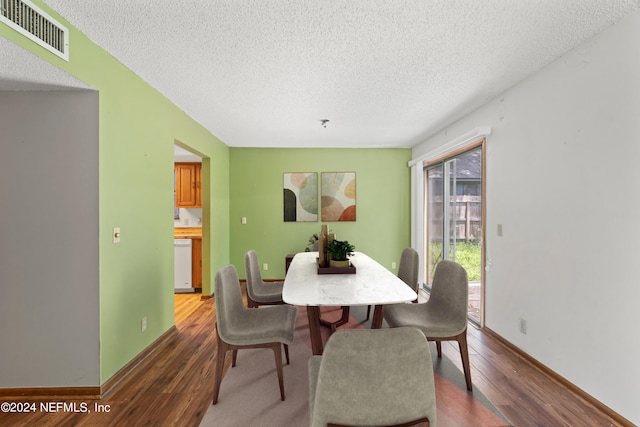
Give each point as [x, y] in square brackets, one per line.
[408, 271]
[260, 292]
[444, 316]
[239, 327]
[366, 377]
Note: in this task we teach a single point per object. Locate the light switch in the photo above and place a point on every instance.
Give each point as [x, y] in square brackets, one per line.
[116, 234]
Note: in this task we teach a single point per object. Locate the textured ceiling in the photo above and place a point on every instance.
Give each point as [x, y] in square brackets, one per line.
[385, 73]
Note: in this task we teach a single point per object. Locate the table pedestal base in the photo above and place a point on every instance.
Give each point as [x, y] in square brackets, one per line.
[313, 315]
[378, 314]
[343, 319]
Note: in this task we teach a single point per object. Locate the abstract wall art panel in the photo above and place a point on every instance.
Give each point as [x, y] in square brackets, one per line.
[338, 200]
[300, 197]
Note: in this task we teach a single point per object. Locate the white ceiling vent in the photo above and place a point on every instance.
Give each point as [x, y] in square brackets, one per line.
[28, 19]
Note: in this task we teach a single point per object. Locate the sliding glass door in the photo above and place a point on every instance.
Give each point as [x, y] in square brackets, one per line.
[454, 218]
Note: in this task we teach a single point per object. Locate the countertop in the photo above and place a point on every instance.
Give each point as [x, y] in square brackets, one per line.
[187, 233]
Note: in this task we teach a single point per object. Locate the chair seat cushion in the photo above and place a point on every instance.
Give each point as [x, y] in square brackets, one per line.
[261, 325]
[434, 322]
[268, 293]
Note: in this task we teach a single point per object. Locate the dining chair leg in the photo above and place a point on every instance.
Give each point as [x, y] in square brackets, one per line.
[368, 312]
[235, 356]
[286, 353]
[439, 348]
[278, 356]
[222, 351]
[464, 353]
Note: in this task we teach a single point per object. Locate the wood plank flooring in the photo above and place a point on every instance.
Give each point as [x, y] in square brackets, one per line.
[524, 394]
[174, 385]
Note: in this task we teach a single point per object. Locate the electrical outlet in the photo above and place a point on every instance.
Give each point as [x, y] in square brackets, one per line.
[244, 220]
[265, 266]
[143, 324]
[523, 326]
[393, 265]
[499, 229]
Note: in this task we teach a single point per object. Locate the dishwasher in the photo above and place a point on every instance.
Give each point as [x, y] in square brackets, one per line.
[182, 270]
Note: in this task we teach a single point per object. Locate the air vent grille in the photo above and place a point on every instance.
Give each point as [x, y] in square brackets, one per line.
[28, 19]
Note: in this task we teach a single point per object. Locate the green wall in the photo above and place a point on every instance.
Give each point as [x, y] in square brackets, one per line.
[382, 228]
[138, 128]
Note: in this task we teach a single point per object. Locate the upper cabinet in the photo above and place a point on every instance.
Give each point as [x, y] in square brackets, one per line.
[188, 185]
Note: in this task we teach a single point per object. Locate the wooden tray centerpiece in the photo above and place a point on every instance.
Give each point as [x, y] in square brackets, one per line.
[334, 255]
[349, 269]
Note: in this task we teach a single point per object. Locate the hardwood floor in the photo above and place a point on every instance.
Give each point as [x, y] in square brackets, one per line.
[524, 394]
[174, 385]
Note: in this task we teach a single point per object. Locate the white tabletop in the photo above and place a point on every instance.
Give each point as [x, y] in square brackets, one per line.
[371, 285]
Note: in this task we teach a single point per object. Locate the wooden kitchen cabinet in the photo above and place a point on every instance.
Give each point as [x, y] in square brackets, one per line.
[198, 175]
[196, 263]
[188, 185]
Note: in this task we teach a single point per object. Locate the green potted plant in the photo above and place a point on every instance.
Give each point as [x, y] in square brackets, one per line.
[339, 251]
[312, 243]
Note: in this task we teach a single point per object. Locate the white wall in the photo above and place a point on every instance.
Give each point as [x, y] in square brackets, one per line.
[563, 174]
[49, 312]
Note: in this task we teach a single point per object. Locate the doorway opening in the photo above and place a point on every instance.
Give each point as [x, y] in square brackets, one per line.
[191, 226]
[454, 219]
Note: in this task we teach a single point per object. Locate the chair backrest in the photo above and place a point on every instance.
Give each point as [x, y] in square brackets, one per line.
[374, 377]
[408, 269]
[450, 291]
[228, 298]
[254, 278]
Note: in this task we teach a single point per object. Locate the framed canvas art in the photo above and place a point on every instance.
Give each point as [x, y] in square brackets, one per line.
[338, 196]
[300, 196]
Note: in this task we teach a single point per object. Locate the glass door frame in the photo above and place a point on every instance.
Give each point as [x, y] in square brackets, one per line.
[449, 209]
[443, 160]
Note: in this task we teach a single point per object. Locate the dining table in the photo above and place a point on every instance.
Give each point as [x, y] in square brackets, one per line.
[371, 284]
